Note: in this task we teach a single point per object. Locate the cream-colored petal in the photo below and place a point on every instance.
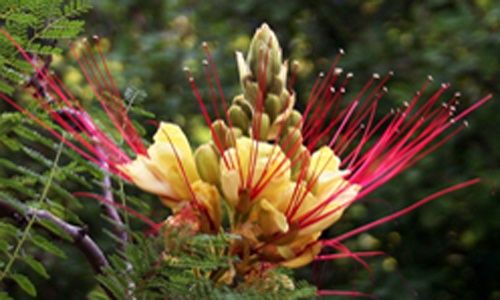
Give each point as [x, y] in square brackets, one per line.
[230, 182]
[141, 175]
[169, 169]
[208, 196]
[164, 163]
[265, 164]
[332, 211]
[171, 142]
[171, 159]
[303, 201]
[304, 258]
[323, 160]
[328, 183]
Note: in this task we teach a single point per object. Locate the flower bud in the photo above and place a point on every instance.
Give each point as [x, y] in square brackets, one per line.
[238, 117]
[277, 85]
[294, 119]
[207, 163]
[219, 129]
[273, 106]
[291, 141]
[265, 52]
[232, 135]
[244, 104]
[251, 91]
[261, 124]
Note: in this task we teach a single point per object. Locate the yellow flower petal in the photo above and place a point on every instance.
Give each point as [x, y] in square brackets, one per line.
[265, 164]
[169, 168]
[333, 210]
[208, 196]
[230, 182]
[170, 141]
[142, 176]
[270, 220]
[323, 160]
[304, 258]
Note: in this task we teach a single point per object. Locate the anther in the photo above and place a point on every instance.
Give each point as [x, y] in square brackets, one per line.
[350, 75]
[338, 71]
[376, 76]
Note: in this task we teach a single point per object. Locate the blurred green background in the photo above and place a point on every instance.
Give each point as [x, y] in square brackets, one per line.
[448, 249]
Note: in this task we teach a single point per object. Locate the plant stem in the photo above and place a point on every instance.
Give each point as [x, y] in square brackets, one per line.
[80, 238]
[111, 211]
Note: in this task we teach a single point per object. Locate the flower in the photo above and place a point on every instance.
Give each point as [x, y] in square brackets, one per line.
[169, 171]
[268, 204]
[285, 176]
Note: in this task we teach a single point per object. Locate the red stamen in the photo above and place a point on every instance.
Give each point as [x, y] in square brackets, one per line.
[401, 212]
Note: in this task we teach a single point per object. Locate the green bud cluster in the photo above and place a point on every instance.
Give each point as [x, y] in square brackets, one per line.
[265, 104]
[264, 110]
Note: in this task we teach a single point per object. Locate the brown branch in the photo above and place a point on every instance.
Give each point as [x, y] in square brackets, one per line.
[79, 235]
[80, 238]
[111, 211]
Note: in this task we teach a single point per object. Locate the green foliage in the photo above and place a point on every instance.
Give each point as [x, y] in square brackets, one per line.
[38, 185]
[22, 280]
[38, 26]
[185, 267]
[35, 180]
